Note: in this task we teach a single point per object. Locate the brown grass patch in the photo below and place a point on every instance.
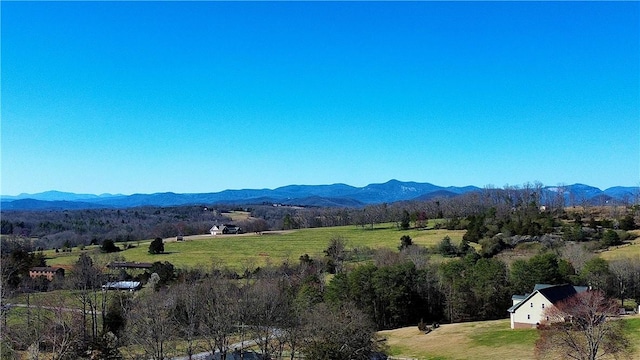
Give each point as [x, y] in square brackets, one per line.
[458, 341]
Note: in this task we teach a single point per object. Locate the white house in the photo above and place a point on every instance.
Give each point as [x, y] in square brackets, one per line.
[527, 310]
[215, 230]
[225, 229]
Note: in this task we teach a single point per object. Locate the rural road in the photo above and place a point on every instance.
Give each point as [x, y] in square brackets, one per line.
[46, 307]
[208, 356]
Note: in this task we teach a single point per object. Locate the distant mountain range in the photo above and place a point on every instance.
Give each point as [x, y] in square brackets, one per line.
[336, 195]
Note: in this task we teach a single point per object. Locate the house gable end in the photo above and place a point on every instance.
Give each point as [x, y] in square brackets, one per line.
[529, 312]
[515, 307]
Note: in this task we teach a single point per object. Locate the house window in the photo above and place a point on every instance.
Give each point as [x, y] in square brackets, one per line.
[528, 317]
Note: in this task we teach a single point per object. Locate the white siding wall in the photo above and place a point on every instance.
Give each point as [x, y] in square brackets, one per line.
[531, 311]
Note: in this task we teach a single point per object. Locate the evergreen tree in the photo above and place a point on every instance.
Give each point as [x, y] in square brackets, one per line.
[156, 246]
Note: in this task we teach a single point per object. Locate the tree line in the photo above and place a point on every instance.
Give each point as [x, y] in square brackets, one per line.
[71, 228]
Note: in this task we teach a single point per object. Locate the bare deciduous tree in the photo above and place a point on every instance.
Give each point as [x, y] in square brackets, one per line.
[151, 326]
[266, 312]
[626, 273]
[187, 313]
[219, 313]
[582, 327]
[62, 327]
[576, 254]
[336, 253]
[338, 333]
[87, 278]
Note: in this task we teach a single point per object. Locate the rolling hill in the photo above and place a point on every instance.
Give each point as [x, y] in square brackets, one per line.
[334, 195]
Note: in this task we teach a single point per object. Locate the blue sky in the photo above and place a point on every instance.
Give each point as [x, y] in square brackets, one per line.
[143, 97]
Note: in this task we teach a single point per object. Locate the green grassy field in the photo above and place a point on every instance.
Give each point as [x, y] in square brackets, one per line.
[248, 251]
[630, 249]
[251, 250]
[633, 329]
[477, 340]
[64, 298]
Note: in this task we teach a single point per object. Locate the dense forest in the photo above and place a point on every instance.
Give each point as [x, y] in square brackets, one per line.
[57, 229]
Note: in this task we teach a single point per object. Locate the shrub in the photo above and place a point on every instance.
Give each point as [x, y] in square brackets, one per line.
[627, 222]
[108, 246]
[492, 246]
[156, 246]
[405, 242]
[446, 248]
[610, 238]
[422, 326]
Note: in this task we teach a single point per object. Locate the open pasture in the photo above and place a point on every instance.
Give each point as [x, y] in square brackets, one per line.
[237, 215]
[247, 251]
[630, 249]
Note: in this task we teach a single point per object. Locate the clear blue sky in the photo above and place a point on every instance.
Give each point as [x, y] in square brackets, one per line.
[143, 97]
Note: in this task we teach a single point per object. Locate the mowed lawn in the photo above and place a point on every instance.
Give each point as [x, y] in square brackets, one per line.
[482, 340]
[247, 251]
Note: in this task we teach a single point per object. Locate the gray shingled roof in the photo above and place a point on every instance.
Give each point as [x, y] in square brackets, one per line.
[558, 293]
[128, 265]
[122, 285]
[553, 293]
